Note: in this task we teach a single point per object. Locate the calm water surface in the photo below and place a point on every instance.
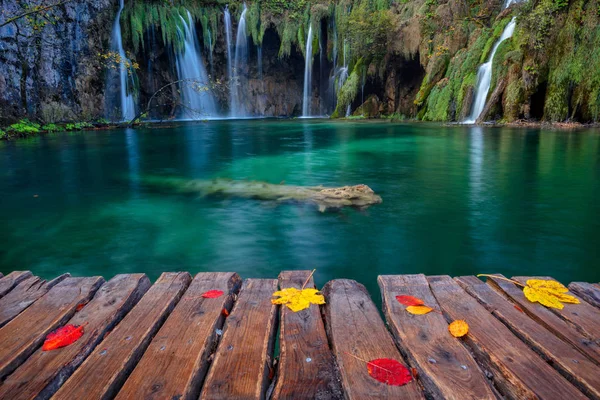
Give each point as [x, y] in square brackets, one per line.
[456, 200]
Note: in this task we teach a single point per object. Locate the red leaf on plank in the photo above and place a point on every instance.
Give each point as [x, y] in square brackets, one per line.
[389, 371]
[80, 306]
[409, 300]
[62, 337]
[225, 313]
[212, 294]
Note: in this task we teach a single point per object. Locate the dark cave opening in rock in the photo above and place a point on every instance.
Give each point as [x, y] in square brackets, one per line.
[537, 101]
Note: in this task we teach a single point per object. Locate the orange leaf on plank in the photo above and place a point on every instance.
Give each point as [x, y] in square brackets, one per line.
[62, 337]
[458, 328]
[409, 300]
[225, 313]
[212, 294]
[419, 310]
[389, 371]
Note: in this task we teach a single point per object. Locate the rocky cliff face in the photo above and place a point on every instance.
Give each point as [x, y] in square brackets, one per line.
[416, 58]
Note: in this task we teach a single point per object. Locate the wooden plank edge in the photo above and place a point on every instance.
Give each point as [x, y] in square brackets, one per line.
[20, 276]
[587, 291]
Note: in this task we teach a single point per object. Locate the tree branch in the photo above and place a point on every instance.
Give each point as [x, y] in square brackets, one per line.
[34, 11]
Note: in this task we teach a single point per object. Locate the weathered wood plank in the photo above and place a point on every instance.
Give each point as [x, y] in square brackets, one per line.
[518, 372]
[357, 333]
[306, 367]
[569, 361]
[175, 363]
[44, 371]
[585, 317]
[25, 294]
[561, 328]
[24, 334]
[587, 291]
[105, 370]
[11, 280]
[1, 275]
[240, 369]
[423, 338]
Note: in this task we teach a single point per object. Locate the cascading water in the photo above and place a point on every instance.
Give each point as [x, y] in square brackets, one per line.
[307, 95]
[197, 98]
[484, 75]
[228, 39]
[127, 103]
[238, 83]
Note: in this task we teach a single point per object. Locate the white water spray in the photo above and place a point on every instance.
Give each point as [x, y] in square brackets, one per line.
[239, 67]
[307, 95]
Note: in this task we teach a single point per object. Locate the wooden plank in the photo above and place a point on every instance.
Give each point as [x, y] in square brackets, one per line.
[585, 317]
[518, 372]
[175, 363]
[355, 329]
[306, 368]
[45, 371]
[24, 334]
[11, 280]
[587, 291]
[240, 369]
[565, 358]
[561, 328]
[105, 370]
[453, 374]
[25, 294]
[1, 275]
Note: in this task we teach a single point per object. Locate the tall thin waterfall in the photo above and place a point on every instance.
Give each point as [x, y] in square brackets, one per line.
[307, 96]
[197, 98]
[228, 40]
[484, 75]
[238, 81]
[127, 103]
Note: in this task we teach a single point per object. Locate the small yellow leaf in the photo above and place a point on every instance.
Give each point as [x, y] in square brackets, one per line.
[419, 310]
[458, 328]
[296, 299]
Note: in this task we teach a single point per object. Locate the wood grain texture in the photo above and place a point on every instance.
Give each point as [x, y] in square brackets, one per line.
[105, 370]
[11, 280]
[44, 371]
[355, 329]
[565, 358]
[175, 363]
[24, 334]
[240, 369]
[453, 373]
[23, 295]
[587, 291]
[585, 317]
[519, 373]
[306, 368]
[561, 328]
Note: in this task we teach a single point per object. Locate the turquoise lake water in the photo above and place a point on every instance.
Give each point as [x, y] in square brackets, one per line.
[456, 200]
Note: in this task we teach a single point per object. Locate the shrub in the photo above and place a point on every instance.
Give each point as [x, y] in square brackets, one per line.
[24, 127]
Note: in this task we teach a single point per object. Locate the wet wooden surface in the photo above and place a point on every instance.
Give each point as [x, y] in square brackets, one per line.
[166, 341]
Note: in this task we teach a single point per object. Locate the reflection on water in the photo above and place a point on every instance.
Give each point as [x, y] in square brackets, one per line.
[456, 200]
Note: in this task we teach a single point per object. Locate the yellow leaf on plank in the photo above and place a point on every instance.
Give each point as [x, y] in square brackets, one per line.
[548, 293]
[419, 310]
[458, 328]
[296, 299]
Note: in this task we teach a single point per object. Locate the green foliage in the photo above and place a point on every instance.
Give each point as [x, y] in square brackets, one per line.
[77, 126]
[3, 134]
[349, 90]
[366, 29]
[51, 128]
[24, 127]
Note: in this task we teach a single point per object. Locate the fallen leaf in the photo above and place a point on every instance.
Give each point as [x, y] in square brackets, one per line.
[548, 293]
[414, 372]
[212, 294]
[225, 313]
[62, 337]
[458, 328]
[518, 308]
[80, 306]
[409, 300]
[419, 310]
[389, 371]
[296, 299]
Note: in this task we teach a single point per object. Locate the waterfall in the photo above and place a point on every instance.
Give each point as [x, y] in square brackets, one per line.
[228, 39]
[240, 62]
[484, 75]
[127, 103]
[307, 97]
[211, 60]
[195, 91]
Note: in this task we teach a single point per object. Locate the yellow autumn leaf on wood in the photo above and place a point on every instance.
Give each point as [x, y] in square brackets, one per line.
[296, 299]
[458, 328]
[548, 293]
[419, 310]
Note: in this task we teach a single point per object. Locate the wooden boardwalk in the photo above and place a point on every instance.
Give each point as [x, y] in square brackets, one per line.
[165, 341]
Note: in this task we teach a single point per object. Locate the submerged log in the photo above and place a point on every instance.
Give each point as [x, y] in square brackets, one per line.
[347, 196]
